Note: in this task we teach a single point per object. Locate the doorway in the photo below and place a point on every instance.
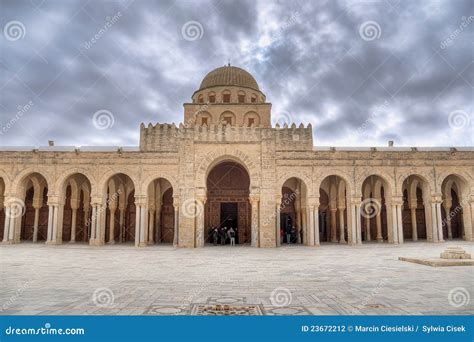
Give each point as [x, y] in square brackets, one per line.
[229, 217]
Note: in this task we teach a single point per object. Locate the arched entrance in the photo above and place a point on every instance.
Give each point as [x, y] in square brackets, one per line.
[34, 222]
[375, 217]
[456, 220]
[119, 210]
[161, 212]
[227, 203]
[415, 201]
[333, 220]
[293, 213]
[76, 192]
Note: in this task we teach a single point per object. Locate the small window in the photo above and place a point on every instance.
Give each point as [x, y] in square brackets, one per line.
[251, 122]
[254, 99]
[201, 99]
[204, 121]
[226, 98]
[227, 120]
[241, 98]
[212, 98]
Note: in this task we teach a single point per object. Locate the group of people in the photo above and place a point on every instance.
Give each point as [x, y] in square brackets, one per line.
[222, 235]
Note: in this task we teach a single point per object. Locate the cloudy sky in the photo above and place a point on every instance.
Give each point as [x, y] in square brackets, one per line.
[361, 72]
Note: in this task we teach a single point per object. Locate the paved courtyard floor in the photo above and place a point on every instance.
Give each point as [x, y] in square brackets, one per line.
[297, 280]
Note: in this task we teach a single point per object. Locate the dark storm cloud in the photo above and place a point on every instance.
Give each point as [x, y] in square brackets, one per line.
[309, 58]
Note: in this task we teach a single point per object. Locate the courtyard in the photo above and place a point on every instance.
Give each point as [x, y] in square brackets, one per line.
[77, 279]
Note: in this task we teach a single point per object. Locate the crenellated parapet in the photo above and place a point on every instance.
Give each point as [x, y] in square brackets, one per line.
[293, 138]
[159, 137]
[167, 137]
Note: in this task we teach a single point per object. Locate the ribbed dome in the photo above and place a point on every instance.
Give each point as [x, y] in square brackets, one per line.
[229, 76]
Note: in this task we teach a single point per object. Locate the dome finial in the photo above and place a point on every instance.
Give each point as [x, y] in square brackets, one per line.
[228, 62]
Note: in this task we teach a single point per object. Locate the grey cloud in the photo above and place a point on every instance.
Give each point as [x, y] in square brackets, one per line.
[142, 70]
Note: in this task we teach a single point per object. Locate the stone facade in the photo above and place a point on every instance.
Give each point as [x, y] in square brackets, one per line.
[158, 192]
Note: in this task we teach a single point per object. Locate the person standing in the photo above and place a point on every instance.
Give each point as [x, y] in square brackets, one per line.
[288, 234]
[223, 235]
[215, 235]
[231, 234]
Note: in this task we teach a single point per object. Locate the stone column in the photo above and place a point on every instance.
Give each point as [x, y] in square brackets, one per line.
[86, 224]
[141, 221]
[378, 222]
[341, 224]
[434, 222]
[316, 223]
[447, 207]
[200, 202]
[333, 224]
[414, 227]
[397, 227]
[158, 223]
[6, 228]
[144, 225]
[53, 221]
[74, 207]
[400, 222]
[93, 223]
[13, 222]
[121, 219]
[176, 223]
[112, 223]
[50, 223]
[73, 225]
[469, 230]
[439, 218]
[97, 222]
[310, 229]
[151, 226]
[254, 203]
[367, 228]
[278, 223]
[356, 236]
[137, 223]
[36, 224]
[358, 222]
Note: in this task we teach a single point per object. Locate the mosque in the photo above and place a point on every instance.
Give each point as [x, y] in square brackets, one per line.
[227, 165]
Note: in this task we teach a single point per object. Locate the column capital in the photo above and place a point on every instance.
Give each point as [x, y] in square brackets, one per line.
[254, 198]
[53, 200]
[355, 200]
[96, 200]
[141, 200]
[436, 199]
[201, 199]
[200, 192]
[397, 200]
[313, 201]
[175, 200]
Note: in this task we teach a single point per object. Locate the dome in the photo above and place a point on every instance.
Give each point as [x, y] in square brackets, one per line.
[229, 76]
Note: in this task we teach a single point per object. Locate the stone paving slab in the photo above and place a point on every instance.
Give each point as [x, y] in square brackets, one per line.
[437, 262]
[294, 280]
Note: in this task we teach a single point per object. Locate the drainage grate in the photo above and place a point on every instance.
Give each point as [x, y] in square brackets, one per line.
[375, 306]
[226, 310]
